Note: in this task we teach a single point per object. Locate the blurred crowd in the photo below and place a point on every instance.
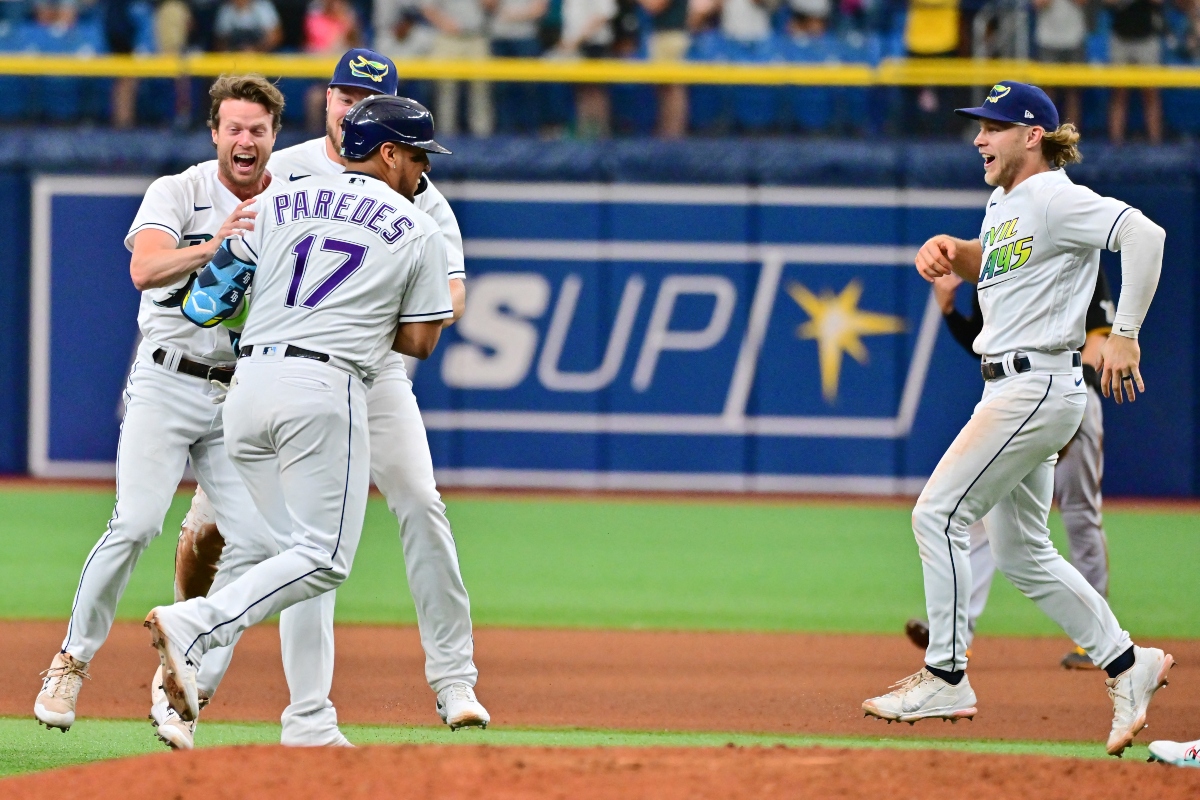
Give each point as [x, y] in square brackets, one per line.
[1060, 31]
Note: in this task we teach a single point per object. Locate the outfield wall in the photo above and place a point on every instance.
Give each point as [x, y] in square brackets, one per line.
[641, 316]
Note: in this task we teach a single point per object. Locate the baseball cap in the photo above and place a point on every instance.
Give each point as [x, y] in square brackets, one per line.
[361, 68]
[1018, 103]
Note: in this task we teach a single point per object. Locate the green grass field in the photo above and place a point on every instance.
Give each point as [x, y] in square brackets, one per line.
[632, 564]
[762, 565]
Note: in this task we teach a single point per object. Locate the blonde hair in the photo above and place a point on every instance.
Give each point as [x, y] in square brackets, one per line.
[1061, 146]
[251, 88]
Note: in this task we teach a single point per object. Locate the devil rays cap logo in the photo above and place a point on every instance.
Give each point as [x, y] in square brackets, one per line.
[362, 67]
[998, 91]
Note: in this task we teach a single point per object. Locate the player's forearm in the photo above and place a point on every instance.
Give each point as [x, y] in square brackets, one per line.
[458, 300]
[968, 259]
[1141, 244]
[155, 268]
[417, 339]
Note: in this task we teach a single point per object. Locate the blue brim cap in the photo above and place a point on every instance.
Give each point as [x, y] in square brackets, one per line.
[979, 112]
[1017, 104]
[361, 68]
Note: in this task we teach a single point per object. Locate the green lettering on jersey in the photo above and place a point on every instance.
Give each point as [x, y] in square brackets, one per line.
[1023, 249]
[1003, 257]
[989, 266]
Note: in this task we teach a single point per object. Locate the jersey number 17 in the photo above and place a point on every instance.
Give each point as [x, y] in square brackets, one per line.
[354, 255]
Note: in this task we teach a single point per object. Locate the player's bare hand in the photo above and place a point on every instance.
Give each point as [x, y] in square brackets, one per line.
[241, 221]
[1120, 375]
[943, 291]
[936, 257]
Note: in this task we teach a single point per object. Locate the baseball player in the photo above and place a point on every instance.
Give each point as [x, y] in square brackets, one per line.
[170, 417]
[1035, 267]
[345, 268]
[1076, 477]
[401, 466]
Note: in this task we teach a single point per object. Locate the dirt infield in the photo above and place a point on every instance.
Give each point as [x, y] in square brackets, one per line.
[641, 680]
[452, 772]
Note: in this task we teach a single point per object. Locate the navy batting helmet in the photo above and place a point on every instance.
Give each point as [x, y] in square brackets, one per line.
[384, 118]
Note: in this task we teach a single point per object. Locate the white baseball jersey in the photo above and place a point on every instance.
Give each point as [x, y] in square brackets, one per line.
[312, 158]
[190, 207]
[342, 260]
[1041, 249]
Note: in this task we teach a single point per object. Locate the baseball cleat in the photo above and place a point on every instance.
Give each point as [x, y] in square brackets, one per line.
[1131, 692]
[923, 696]
[178, 674]
[1179, 754]
[1077, 659]
[168, 727]
[917, 631]
[55, 703]
[458, 708]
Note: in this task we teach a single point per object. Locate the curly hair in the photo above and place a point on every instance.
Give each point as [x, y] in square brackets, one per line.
[251, 88]
[1061, 146]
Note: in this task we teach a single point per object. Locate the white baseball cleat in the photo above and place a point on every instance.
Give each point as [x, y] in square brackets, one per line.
[458, 708]
[178, 674]
[1179, 754]
[1131, 692]
[170, 729]
[55, 703]
[924, 695]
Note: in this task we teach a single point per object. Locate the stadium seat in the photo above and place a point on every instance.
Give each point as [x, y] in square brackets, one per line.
[15, 90]
[811, 107]
[758, 109]
[708, 105]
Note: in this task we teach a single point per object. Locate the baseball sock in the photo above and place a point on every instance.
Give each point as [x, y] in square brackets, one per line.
[1120, 663]
[952, 677]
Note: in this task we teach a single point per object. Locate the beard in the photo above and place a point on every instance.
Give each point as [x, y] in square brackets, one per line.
[334, 134]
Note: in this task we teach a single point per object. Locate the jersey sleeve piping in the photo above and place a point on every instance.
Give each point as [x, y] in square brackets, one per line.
[428, 316]
[158, 225]
[1112, 230]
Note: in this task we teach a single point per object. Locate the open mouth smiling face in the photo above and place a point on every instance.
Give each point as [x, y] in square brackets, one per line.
[244, 164]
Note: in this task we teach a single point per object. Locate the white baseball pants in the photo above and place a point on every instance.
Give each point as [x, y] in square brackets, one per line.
[169, 419]
[1000, 469]
[297, 433]
[402, 468]
[1077, 491]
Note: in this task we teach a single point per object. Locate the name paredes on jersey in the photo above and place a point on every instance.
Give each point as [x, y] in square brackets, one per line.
[1004, 256]
[327, 204]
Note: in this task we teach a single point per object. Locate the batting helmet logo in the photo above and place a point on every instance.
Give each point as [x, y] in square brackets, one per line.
[362, 67]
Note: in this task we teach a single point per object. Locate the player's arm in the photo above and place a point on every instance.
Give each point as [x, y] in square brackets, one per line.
[158, 261]
[426, 303]
[458, 300]
[946, 255]
[1141, 245]
[417, 339]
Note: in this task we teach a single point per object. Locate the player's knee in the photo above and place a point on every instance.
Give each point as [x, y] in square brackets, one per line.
[414, 500]
[927, 520]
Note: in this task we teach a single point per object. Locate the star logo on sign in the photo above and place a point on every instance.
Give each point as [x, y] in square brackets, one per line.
[838, 325]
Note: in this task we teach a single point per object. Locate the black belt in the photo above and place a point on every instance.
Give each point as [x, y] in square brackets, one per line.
[995, 369]
[196, 369]
[290, 352]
